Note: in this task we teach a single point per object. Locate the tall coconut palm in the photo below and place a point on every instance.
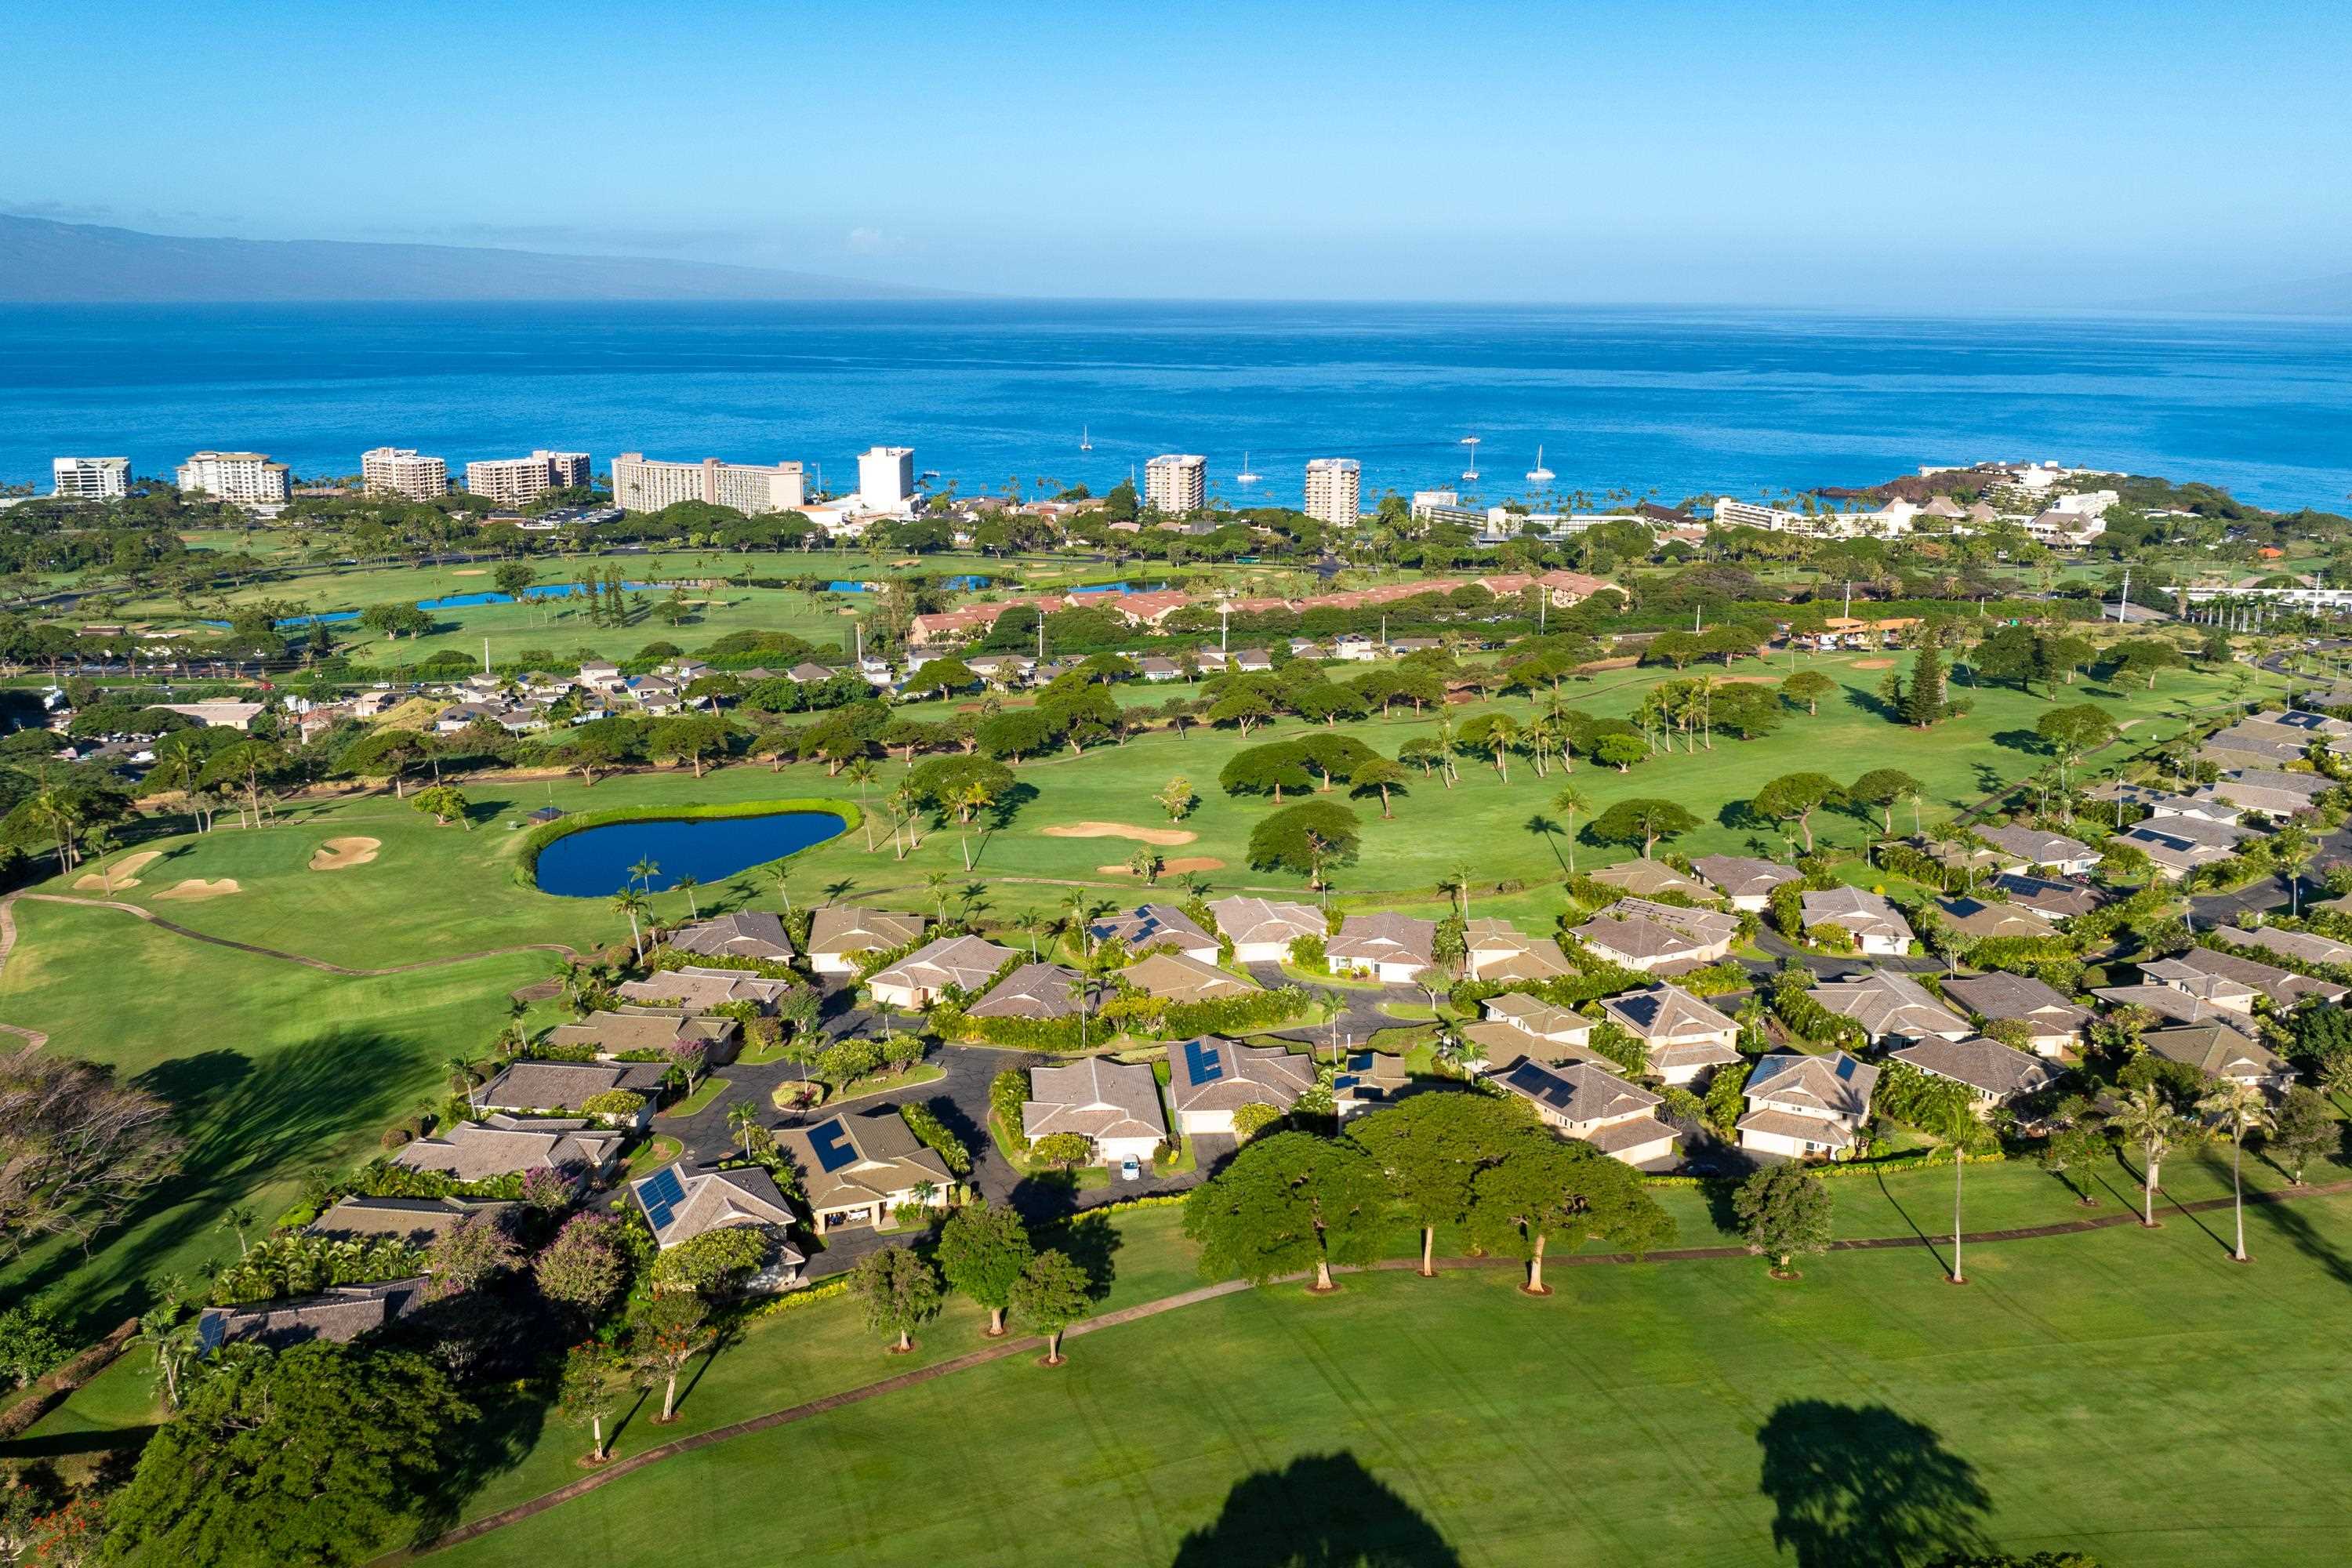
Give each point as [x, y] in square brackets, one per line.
[937, 883]
[630, 903]
[1570, 803]
[687, 882]
[2145, 1118]
[644, 871]
[2238, 1109]
[743, 1120]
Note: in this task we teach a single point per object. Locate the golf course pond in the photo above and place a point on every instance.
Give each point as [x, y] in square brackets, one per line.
[598, 862]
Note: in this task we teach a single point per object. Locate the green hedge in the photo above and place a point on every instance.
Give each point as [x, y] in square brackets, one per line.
[527, 863]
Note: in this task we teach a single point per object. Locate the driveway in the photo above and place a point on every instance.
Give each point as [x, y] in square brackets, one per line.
[1360, 1022]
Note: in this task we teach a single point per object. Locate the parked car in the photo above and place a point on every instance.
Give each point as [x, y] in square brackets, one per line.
[1128, 1170]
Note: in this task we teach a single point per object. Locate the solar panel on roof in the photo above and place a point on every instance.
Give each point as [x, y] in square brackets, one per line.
[1202, 1059]
[1344, 1082]
[1360, 1062]
[661, 1193]
[831, 1142]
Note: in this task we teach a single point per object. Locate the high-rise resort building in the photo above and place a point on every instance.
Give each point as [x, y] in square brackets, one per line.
[643, 484]
[510, 481]
[1176, 482]
[249, 478]
[399, 471]
[1334, 490]
[89, 479]
[885, 479]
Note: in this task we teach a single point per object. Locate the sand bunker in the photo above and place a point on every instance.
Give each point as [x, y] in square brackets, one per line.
[197, 887]
[124, 873]
[337, 853]
[1873, 664]
[470, 572]
[1176, 868]
[1119, 830]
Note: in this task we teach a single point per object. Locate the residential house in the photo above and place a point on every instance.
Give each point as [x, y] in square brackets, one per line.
[2030, 848]
[1367, 1080]
[965, 963]
[2178, 845]
[1570, 588]
[2282, 987]
[598, 674]
[680, 1205]
[1394, 948]
[2053, 900]
[1878, 926]
[1262, 931]
[1890, 1006]
[1209, 1079]
[860, 1167]
[1115, 1106]
[2272, 741]
[2056, 1023]
[1496, 951]
[1541, 1019]
[420, 1222]
[1252, 661]
[338, 1315]
[1745, 881]
[1040, 991]
[1157, 925]
[498, 1145]
[1994, 1073]
[1974, 918]
[838, 934]
[2303, 945]
[1682, 1037]
[1806, 1106]
[1174, 977]
[1648, 879]
[1638, 934]
[2218, 1050]
[697, 990]
[1594, 1105]
[561, 1088]
[807, 673]
[2276, 795]
[1156, 669]
[748, 933]
[626, 1029]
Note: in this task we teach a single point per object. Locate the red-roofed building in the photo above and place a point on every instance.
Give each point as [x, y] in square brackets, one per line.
[1574, 587]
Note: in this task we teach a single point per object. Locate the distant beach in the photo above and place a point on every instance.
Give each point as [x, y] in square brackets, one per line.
[1678, 400]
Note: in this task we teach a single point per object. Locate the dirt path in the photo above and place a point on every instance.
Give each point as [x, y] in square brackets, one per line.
[1030, 1344]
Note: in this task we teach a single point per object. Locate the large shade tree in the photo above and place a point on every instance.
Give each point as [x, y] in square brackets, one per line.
[1288, 1204]
[1430, 1146]
[1545, 1186]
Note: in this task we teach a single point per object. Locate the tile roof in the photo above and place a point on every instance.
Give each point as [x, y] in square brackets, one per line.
[1212, 1074]
[1578, 1091]
[2216, 1049]
[1250, 920]
[1884, 1003]
[1981, 1064]
[681, 1205]
[1737, 875]
[1863, 913]
[1658, 1014]
[1384, 939]
[1999, 995]
[420, 1221]
[698, 990]
[874, 1158]
[1179, 978]
[563, 1086]
[1532, 1016]
[1150, 923]
[2036, 847]
[1835, 1083]
[1651, 876]
[746, 933]
[1094, 1097]
[849, 927]
[963, 961]
[499, 1145]
[1031, 990]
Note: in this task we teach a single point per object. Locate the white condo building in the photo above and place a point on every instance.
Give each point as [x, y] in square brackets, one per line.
[399, 471]
[248, 477]
[1176, 482]
[510, 481]
[91, 478]
[885, 478]
[642, 484]
[1334, 490]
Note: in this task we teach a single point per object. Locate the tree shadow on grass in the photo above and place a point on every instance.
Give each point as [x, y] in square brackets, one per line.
[1320, 1510]
[2025, 741]
[2297, 1228]
[246, 1122]
[1090, 1241]
[470, 1454]
[1862, 1486]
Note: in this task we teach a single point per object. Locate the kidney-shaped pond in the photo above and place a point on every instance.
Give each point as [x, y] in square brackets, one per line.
[595, 861]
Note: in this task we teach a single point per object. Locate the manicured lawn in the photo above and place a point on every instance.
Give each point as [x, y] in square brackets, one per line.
[275, 1069]
[2132, 1394]
[710, 1089]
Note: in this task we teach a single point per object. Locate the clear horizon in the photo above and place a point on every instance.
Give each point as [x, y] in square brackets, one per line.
[1999, 157]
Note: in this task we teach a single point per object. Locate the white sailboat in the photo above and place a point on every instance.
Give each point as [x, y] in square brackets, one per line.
[1540, 475]
[1471, 473]
[1086, 441]
[1246, 477]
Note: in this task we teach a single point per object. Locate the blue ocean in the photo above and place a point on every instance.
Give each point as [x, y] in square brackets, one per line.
[1634, 401]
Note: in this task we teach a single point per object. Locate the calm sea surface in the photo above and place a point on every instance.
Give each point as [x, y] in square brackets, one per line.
[1681, 401]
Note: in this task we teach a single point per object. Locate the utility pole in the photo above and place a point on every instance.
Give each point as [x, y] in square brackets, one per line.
[485, 655]
[2124, 599]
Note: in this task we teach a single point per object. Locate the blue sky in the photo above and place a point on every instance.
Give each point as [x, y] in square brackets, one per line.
[1995, 155]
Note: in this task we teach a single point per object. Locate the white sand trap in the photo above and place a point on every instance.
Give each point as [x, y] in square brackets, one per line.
[124, 873]
[1176, 868]
[1119, 830]
[197, 888]
[1873, 664]
[337, 853]
[470, 572]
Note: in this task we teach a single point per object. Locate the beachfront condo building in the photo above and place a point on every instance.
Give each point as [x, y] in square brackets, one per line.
[1334, 488]
[1176, 482]
[399, 471]
[89, 479]
[510, 481]
[642, 484]
[248, 479]
[885, 479]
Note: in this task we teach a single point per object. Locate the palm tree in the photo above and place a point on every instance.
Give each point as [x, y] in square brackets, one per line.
[2147, 1120]
[175, 1344]
[101, 842]
[645, 871]
[743, 1120]
[937, 883]
[630, 903]
[1570, 803]
[687, 882]
[862, 773]
[969, 802]
[1029, 924]
[2239, 1109]
[784, 884]
[239, 1218]
[1146, 863]
[461, 1074]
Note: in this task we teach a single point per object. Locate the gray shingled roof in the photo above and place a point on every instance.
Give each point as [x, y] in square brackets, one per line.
[1981, 1064]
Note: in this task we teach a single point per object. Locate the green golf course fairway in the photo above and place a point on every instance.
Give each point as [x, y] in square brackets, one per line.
[2133, 1395]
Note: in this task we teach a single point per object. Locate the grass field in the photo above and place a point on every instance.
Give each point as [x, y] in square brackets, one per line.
[2132, 1394]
